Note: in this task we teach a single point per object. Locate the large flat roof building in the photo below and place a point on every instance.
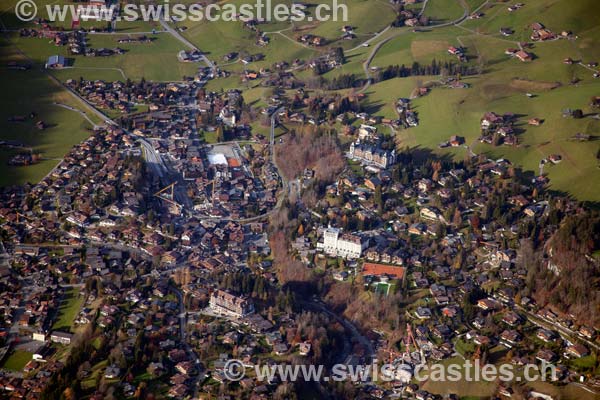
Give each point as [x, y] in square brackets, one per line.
[345, 245]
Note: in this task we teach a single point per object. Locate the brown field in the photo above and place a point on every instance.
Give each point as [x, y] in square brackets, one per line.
[422, 48]
[495, 91]
[526, 85]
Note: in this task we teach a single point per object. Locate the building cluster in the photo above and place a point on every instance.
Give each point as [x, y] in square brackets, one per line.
[419, 228]
[143, 253]
[75, 41]
[122, 280]
[331, 59]
[540, 33]
[459, 52]
[498, 129]
[189, 56]
[123, 96]
[407, 116]
[224, 303]
[411, 18]
[311, 40]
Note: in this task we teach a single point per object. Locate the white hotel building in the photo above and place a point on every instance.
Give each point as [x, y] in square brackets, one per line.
[342, 245]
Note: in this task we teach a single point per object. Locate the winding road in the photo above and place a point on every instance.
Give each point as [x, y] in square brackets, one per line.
[367, 63]
[195, 379]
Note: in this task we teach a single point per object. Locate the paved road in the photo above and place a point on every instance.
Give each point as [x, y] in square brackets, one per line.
[367, 63]
[546, 323]
[368, 41]
[153, 158]
[82, 113]
[423, 8]
[119, 70]
[182, 332]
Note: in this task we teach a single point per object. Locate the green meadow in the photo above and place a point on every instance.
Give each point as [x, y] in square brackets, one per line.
[501, 87]
[70, 306]
[32, 91]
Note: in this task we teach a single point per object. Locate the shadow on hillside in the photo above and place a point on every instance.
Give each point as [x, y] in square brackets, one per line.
[28, 93]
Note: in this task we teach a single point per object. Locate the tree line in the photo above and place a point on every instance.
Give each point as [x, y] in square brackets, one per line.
[434, 68]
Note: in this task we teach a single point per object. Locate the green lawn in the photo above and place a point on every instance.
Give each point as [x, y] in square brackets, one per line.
[569, 392]
[97, 369]
[446, 112]
[441, 11]
[70, 306]
[17, 360]
[556, 15]
[154, 61]
[220, 37]
[585, 363]
[474, 4]
[464, 347]
[29, 91]
[465, 388]
[366, 17]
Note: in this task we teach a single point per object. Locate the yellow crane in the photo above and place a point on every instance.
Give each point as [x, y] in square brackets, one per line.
[214, 185]
[169, 197]
[21, 215]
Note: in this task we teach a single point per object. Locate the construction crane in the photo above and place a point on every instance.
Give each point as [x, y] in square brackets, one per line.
[477, 353]
[18, 214]
[392, 355]
[214, 184]
[169, 197]
[410, 339]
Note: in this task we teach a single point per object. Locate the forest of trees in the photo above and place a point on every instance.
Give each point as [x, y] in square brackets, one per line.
[318, 151]
[343, 81]
[576, 288]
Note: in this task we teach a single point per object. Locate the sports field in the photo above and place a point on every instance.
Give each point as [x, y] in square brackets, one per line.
[70, 306]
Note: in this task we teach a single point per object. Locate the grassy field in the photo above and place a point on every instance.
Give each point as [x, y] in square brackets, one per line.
[440, 11]
[97, 369]
[444, 112]
[221, 37]
[70, 306]
[154, 61]
[568, 392]
[366, 18]
[479, 389]
[24, 92]
[17, 360]
[502, 88]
